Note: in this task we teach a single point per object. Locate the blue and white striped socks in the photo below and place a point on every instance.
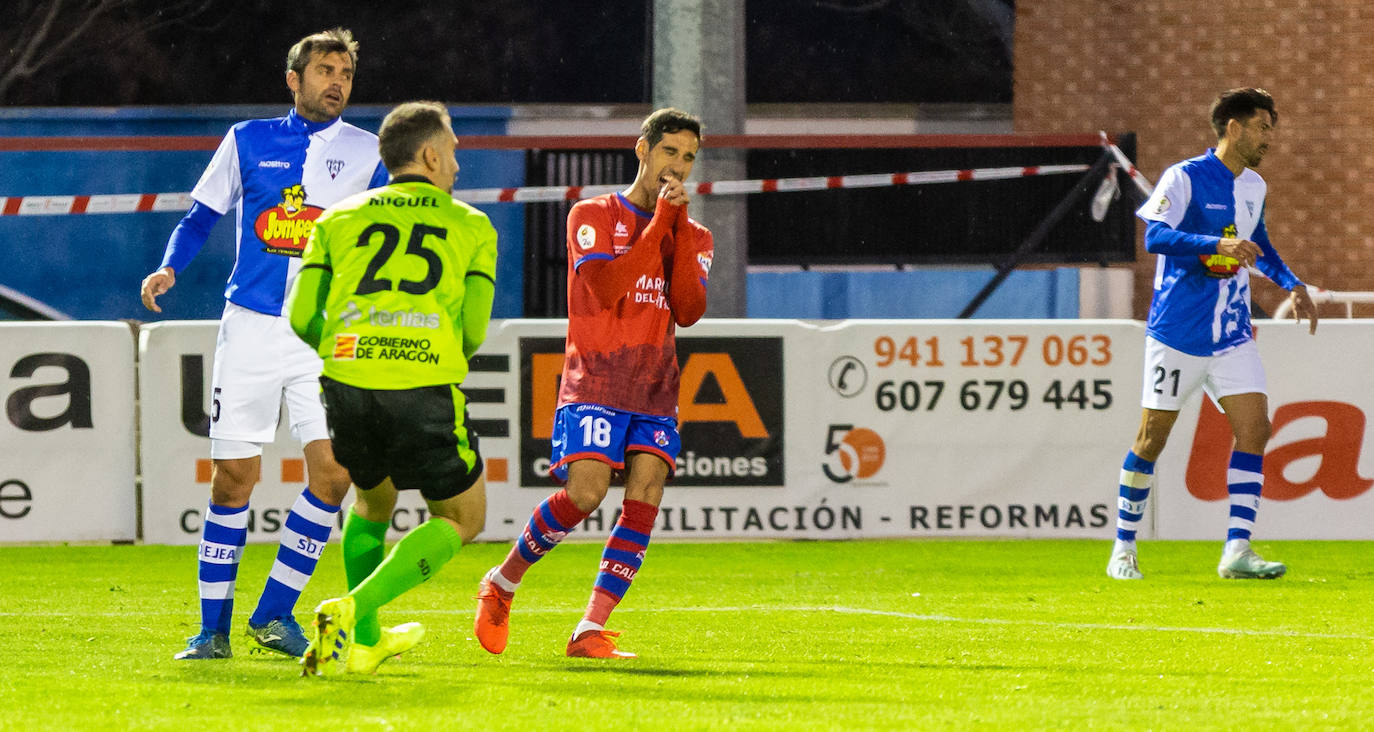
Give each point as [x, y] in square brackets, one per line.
[1136, 473]
[221, 545]
[302, 541]
[1244, 481]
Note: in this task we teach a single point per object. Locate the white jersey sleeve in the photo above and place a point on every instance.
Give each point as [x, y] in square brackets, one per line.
[221, 185]
[1169, 201]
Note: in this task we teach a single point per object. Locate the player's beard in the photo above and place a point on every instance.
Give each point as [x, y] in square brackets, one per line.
[318, 108]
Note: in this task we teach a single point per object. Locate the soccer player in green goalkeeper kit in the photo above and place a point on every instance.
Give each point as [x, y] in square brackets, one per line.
[395, 293]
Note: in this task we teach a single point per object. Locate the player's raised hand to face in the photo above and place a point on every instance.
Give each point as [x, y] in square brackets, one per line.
[674, 190]
[1303, 307]
[154, 285]
[1242, 250]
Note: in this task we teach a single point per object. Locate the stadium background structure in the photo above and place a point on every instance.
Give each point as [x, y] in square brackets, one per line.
[1163, 61]
[1155, 67]
[970, 223]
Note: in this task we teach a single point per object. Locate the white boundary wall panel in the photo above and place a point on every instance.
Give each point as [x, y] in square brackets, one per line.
[791, 429]
[1024, 438]
[67, 443]
[1008, 428]
[1318, 466]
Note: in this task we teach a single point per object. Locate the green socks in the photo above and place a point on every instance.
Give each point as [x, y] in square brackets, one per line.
[364, 548]
[415, 558]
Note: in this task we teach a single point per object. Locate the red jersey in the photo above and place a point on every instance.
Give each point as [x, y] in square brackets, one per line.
[623, 356]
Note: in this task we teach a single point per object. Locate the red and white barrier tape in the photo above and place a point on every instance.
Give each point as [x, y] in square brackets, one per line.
[769, 185]
[163, 143]
[119, 203]
[136, 202]
[1141, 182]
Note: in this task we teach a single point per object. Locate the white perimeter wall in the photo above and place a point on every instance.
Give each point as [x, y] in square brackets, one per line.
[791, 429]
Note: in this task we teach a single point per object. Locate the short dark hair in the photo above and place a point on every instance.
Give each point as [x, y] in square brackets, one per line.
[1240, 104]
[407, 128]
[334, 40]
[667, 121]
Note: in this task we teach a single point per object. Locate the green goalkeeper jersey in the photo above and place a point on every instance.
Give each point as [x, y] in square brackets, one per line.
[396, 286]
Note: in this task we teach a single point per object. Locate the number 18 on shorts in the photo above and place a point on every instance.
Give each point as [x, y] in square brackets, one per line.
[594, 432]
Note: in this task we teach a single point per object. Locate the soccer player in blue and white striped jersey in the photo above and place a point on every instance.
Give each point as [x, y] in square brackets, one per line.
[279, 174]
[1205, 221]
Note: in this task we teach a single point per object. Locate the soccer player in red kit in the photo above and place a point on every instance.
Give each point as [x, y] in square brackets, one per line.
[638, 268]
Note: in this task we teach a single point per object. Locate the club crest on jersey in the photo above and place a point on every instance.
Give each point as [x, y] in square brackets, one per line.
[704, 260]
[334, 166]
[1163, 205]
[284, 228]
[586, 236]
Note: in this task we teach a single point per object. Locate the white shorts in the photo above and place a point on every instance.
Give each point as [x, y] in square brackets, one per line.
[259, 362]
[1171, 376]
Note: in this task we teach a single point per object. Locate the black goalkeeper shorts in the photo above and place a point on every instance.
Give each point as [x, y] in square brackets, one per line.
[419, 437]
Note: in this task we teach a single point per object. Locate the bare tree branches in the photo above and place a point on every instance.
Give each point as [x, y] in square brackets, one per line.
[55, 31]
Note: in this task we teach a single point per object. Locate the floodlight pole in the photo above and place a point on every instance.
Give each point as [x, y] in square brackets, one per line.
[698, 66]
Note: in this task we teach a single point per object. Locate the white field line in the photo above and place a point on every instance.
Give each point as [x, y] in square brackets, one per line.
[1000, 621]
[921, 617]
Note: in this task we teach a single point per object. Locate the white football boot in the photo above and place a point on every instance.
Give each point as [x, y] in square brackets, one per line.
[1123, 566]
[1246, 564]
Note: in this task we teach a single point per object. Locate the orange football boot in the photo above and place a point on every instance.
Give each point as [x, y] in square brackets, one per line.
[492, 626]
[596, 644]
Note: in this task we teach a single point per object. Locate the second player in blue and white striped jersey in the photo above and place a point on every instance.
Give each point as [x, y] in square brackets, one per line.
[1205, 221]
[1201, 302]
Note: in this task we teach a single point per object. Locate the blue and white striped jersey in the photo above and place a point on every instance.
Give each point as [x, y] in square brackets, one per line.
[1201, 302]
[282, 173]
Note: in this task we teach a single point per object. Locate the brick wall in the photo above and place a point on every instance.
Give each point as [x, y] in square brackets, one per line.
[1154, 66]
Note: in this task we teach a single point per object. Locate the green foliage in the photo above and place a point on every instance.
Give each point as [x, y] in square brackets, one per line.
[842, 635]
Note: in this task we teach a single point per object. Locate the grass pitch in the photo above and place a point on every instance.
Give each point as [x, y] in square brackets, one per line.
[788, 635]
